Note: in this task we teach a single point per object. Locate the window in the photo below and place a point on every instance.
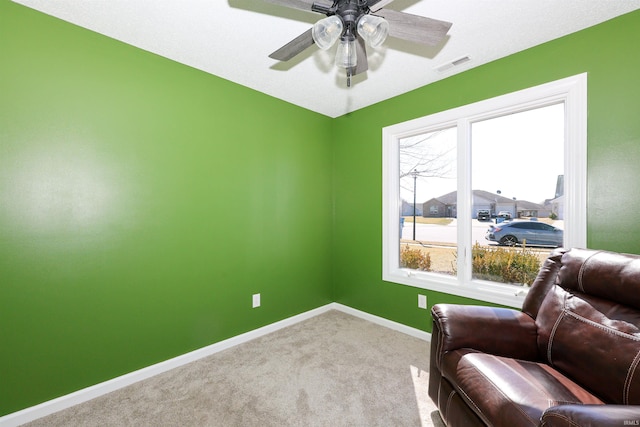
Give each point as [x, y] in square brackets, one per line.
[505, 175]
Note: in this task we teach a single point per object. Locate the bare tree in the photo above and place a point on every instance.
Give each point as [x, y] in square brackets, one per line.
[426, 158]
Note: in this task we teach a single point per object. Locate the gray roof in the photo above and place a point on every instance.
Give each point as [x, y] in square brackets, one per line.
[452, 199]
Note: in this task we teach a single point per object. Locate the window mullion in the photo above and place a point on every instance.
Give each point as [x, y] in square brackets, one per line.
[464, 201]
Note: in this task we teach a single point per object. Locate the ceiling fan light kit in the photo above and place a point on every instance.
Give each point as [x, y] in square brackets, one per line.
[373, 29]
[327, 31]
[346, 56]
[348, 19]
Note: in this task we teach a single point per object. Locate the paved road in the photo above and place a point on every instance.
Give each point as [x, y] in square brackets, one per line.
[448, 233]
[445, 233]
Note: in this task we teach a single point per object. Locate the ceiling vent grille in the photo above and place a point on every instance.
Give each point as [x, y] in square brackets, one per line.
[453, 63]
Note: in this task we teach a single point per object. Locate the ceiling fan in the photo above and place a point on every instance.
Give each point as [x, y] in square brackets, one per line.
[354, 22]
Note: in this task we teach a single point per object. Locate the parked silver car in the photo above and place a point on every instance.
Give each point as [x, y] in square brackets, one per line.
[510, 233]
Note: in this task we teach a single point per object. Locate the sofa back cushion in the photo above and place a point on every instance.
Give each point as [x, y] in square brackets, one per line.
[608, 275]
[589, 323]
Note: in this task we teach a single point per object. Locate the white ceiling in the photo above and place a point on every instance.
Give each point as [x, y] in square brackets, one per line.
[233, 38]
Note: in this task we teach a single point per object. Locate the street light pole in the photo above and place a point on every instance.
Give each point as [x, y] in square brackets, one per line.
[415, 175]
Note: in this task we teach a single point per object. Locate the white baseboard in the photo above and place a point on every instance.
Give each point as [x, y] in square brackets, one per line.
[417, 333]
[86, 394]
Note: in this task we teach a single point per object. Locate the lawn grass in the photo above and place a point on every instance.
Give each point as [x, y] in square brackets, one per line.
[423, 220]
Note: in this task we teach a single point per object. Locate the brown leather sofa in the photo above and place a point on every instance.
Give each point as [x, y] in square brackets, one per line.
[569, 358]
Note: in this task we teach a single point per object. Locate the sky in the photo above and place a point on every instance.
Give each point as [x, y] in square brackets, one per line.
[520, 155]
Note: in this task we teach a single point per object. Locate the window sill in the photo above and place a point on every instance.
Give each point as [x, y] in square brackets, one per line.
[503, 294]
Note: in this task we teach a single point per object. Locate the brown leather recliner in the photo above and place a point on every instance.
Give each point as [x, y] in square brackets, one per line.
[569, 358]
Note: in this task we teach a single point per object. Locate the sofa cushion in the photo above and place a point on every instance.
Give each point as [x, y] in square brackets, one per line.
[607, 275]
[594, 341]
[510, 392]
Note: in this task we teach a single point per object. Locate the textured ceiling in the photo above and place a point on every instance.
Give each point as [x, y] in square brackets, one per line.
[233, 38]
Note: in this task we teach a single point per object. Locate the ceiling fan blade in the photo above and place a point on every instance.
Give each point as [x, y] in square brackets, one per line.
[362, 64]
[295, 4]
[294, 47]
[376, 5]
[414, 28]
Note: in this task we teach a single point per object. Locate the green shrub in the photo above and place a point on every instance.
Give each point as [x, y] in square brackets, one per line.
[414, 259]
[515, 266]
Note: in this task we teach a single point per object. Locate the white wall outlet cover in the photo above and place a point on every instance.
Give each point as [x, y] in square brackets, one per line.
[422, 301]
[256, 300]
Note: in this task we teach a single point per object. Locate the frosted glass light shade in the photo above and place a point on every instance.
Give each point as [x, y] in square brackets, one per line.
[346, 56]
[373, 29]
[326, 31]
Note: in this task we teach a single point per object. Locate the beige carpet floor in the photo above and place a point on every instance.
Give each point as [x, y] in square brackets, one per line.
[331, 370]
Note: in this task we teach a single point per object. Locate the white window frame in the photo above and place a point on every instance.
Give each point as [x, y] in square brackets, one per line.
[573, 92]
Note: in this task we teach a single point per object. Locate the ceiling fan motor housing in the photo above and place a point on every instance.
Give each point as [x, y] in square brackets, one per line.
[349, 11]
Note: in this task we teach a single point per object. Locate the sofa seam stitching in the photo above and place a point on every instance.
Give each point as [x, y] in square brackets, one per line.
[601, 326]
[632, 367]
[627, 382]
[583, 267]
[503, 394]
[482, 415]
[449, 399]
[553, 331]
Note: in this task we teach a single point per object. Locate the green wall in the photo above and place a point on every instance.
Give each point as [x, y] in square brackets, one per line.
[142, 203]
[607, 52]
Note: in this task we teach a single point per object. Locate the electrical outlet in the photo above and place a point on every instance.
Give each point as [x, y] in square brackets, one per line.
[256, 300]
[422, 301]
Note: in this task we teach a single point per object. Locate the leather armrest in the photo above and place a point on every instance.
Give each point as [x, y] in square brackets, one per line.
[493, 330]
[591, 415]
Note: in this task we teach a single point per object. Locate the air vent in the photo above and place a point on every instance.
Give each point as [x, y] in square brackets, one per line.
[454, 63]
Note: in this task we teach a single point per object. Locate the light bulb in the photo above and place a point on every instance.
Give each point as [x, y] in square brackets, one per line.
[346, 56]
[373, 29]
[326, 31]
